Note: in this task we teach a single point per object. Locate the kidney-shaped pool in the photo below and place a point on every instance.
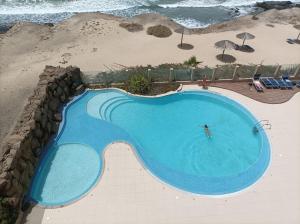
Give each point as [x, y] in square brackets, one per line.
[169, 136]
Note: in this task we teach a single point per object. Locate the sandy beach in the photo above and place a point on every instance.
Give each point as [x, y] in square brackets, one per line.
[95, 41]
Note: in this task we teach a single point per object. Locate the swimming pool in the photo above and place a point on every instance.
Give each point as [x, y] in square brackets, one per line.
[168, 136]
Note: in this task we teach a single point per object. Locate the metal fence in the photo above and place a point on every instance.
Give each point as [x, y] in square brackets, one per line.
[180, 74]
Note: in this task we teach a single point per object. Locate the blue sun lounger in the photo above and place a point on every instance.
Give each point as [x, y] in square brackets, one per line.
[289, 83]
[266, 82]
[274, 82]
[282, 84]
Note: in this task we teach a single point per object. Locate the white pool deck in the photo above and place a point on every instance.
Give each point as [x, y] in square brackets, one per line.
[127, 193]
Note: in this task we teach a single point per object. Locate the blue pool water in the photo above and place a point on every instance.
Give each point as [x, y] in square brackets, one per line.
[167, 134]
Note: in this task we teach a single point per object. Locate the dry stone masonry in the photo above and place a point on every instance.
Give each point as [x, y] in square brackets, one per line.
[38, 122]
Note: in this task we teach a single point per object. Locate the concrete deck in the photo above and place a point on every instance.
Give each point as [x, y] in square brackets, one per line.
[127, 193]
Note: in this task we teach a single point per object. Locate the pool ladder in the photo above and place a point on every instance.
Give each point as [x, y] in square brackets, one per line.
[262, 124]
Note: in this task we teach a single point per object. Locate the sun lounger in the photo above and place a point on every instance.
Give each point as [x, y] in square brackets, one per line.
[274, 82]
[282, 84]
[266, 82]
[257, 85]
[289, 83]
[290, 41]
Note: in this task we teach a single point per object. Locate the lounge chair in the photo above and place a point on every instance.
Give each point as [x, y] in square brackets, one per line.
[266, 82]
[289, 83]
[282, 84]
[257, 85]
[290, 41]
[274, 82]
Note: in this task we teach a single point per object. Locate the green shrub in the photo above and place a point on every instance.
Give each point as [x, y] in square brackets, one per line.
[8, 214]
[138, 84]
[159, 31]
[192, 62]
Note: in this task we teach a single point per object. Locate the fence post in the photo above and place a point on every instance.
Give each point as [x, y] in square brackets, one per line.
[277, 71]
[256, 69]
[297, 72]
[149, 77]
[235, 76]
[170, 75]
[213, 76]
[192, 73]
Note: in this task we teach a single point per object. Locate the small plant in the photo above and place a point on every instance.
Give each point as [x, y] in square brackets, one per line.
[139, 84]
[8, 214]
[192, 62]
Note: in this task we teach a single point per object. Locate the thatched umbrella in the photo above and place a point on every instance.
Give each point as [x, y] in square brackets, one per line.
[245, 36]
[298, 28]
[225, 44]
[185, 31]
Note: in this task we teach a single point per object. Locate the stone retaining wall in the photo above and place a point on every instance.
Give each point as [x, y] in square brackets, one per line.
[38, 122]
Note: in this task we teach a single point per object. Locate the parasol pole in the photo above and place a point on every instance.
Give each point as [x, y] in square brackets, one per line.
[181, 39]
[244, 40]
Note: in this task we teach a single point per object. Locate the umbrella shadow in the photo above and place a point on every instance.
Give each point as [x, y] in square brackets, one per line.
[245, 48]
[185, 46]
[226, 58]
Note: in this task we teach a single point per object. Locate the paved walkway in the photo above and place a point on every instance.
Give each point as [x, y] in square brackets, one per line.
[127, 193]
[271, 96]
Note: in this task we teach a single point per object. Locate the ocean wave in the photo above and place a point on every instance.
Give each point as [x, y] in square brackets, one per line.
[46, 7]
[60, 6]
[191, 23]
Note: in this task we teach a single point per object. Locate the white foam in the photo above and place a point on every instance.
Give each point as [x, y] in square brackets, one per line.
[191, 23]
[43, 7]
[46, 6]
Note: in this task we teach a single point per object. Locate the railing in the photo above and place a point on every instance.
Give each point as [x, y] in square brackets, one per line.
[184, 74]
[262, 124]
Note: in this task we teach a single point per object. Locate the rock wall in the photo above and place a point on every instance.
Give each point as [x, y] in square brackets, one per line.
[279, 5]
[38, 122]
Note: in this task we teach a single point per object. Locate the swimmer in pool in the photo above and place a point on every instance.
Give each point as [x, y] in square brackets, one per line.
[207, 131]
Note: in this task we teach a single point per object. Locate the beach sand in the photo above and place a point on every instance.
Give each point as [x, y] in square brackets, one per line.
[94, 42]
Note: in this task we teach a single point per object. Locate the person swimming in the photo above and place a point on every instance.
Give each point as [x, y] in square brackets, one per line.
[207, 131]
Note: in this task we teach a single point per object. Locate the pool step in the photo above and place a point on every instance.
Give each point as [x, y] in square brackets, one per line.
[106, 108]
[106, 103]
[112, 106]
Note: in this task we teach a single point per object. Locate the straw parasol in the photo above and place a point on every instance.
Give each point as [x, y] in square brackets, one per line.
[225, 44]
[298, 28]
[245, 36]
[185, 31]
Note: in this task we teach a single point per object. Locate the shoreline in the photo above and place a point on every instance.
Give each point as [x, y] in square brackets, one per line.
[234, 23]
[234, 12]
[217, 13]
